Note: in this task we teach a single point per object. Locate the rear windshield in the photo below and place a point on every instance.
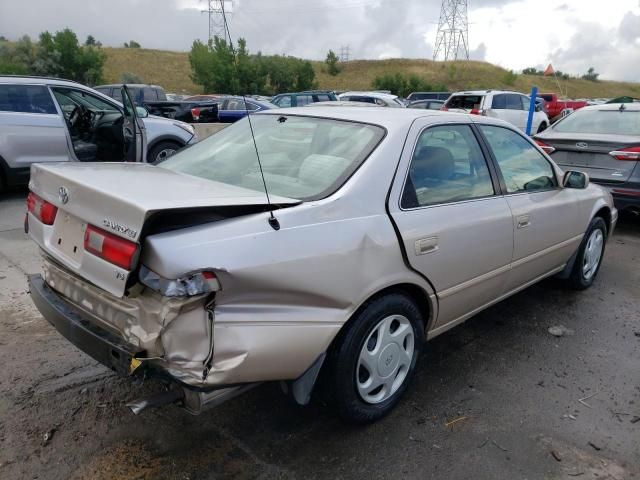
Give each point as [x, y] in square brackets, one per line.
[305, 158]
[466, 102]
[611, 122]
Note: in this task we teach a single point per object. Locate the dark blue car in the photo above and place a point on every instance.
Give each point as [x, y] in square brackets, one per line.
[231, 109]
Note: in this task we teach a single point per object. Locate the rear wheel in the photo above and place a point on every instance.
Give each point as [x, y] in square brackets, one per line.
[162, 151]
[374, 362]
[590, 255]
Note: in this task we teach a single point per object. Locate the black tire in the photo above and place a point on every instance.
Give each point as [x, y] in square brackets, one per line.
[158, 150]
[340, 379]
[578, 280]
[543, 126]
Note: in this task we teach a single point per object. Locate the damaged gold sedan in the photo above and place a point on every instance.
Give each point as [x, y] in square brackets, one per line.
[325, 244]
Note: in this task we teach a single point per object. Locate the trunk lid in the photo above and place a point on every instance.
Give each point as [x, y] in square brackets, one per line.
[590, 153]
[120, 198]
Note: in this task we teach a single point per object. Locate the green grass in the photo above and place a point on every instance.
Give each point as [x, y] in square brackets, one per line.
[172, 71]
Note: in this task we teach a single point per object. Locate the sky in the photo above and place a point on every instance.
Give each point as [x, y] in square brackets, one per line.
[573, 35]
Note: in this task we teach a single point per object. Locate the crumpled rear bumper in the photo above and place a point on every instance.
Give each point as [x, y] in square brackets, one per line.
[99, 343]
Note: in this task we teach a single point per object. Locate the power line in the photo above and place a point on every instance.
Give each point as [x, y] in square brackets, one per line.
[452, 39]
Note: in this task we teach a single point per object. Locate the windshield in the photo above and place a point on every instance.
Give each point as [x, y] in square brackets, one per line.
[305, 158]
[611, 122]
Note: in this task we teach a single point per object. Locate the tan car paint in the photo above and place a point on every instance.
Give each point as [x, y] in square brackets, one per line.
[286, 294]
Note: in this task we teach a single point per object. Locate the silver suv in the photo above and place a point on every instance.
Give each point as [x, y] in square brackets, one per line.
[52, 120]
[512, 107]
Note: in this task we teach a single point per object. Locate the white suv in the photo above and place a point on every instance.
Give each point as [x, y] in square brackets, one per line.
[512, 107]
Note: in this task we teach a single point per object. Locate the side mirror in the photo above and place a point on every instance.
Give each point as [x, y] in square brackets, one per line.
[142, 112]
[575, 179]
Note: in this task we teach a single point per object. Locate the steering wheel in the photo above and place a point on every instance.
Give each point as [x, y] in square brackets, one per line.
[81, 118]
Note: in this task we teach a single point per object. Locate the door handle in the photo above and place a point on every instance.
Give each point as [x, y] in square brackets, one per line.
[426, 245]
[523, 221]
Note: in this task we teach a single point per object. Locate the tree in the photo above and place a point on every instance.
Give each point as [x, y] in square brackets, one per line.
[332, 63]
[221, 69]
[90, 41]
[128, 77]
[131, 44]
[591, 75]
[402, 86]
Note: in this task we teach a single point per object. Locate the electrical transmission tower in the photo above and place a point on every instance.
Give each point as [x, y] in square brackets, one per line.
[452, 40]
[217, 9]
[344, 53]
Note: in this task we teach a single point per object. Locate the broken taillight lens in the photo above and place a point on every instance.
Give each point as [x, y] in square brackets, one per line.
[189, 285]
[547, 148]
[41, 209]
[111, 248]
[630, 154]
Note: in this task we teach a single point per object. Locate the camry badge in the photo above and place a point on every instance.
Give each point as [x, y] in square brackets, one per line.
[63, 195]
[582, 145]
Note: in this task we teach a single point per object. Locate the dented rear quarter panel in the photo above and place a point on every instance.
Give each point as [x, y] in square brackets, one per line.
[287, 293]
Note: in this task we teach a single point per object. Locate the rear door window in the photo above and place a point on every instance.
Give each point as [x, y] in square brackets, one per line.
[465, 102]
[26, 99]
[149, 94]
[513, 102]
[499, 102]
[447, 166]
[304, 100]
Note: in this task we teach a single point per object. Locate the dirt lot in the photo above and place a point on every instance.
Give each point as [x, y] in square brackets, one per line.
[513, 388]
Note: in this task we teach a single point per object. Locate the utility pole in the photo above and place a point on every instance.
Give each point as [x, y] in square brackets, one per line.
[344, 53]
[452, 39]
[217, 9]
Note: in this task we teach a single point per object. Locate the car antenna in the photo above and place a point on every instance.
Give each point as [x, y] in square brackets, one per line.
[273, 221]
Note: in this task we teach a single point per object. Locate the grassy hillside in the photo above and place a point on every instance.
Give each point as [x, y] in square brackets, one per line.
[171, 70]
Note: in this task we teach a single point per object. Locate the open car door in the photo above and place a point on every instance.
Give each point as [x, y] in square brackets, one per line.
[133, 131]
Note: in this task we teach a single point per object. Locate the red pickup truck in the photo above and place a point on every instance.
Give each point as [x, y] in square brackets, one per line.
[555, 108]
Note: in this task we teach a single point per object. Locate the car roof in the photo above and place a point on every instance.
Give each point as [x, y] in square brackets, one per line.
[634, 107]
[392, 119]
[31, 79]
[248, 99]
[386, 96]
[135, 85]
[485, 92]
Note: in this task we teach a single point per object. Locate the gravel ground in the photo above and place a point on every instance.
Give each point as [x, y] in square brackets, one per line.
[496, 398]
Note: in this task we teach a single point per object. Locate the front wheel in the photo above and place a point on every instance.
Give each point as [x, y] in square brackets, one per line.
[162, 151]
[590, 255]
[375, 359]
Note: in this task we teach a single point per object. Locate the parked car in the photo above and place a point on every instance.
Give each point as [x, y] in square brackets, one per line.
[52, 120]
[512, 107]
[233, 108]
[286, 100]
[603, 141]
[218, 286]
[379, 98]
[154, 99]
[427, 104]
[412, 97]
[557, 109]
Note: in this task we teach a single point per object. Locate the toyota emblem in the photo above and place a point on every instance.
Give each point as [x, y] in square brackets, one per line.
[63, 195]
[582, 145]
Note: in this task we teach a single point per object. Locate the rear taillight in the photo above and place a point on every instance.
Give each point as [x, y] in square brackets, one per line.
[195, 113]
[632, 154]
[111, 248]
[547, 148]
[41, 209]
[195, 283]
